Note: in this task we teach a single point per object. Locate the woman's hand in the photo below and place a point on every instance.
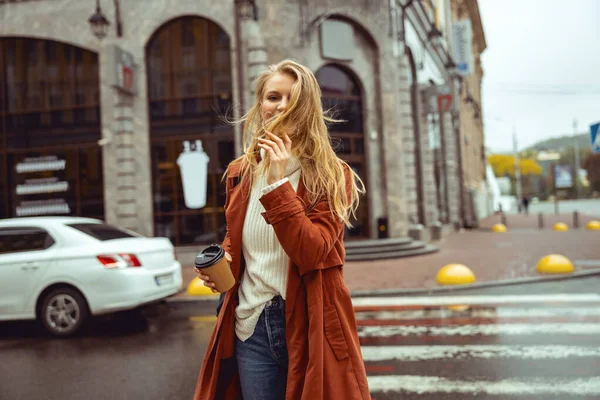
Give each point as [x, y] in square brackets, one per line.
[279, 152]
[207, 282]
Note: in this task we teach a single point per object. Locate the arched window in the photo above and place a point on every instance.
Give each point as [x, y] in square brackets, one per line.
[189, 91]
[341, 94]
[50, 161]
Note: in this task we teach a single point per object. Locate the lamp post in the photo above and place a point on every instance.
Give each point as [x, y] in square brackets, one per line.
[577, 161]
[100, 24]
[435, 35]
[247, 9]
[404, 4]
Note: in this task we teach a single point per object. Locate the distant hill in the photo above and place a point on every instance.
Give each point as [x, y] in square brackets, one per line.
[561, 143]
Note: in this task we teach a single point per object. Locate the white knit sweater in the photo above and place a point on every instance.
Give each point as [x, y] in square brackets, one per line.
[266, 272]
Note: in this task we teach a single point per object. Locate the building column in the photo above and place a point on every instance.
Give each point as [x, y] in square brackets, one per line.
[451, 168]
[408, 144]
[392, 142]
[428, 167]
[126, 150]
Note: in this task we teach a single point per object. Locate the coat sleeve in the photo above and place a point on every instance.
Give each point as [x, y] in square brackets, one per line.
[306, 239]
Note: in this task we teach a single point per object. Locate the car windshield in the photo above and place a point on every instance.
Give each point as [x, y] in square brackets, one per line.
[102, 232]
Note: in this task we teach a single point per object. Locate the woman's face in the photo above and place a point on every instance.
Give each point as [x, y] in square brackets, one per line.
[276, 97]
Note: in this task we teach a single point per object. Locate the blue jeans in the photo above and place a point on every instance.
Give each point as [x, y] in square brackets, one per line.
[263, 358]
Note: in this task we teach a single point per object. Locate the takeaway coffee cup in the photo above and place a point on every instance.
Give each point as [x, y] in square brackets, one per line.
[212, 262]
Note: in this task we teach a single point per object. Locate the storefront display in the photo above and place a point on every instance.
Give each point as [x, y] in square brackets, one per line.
[51, 163]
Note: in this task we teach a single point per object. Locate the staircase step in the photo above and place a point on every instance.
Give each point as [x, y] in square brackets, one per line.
[350, 244]
[410, 245]
[421, 250]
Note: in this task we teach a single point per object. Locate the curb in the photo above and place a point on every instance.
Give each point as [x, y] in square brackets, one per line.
[434, 290]
[481, 285]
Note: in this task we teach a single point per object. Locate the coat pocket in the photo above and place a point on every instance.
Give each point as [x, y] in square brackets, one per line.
[334, 333]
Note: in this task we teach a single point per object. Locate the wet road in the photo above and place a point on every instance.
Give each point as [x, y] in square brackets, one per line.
[500, 347]
[126, 357]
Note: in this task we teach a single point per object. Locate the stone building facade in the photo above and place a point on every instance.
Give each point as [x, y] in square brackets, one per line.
[477, 193]
[64, 102]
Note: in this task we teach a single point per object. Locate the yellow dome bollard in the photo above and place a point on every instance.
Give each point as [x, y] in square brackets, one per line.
[593, 226]
[455, 274]
[555, 264]
[499, 228]
[197, 288]
[561, 227]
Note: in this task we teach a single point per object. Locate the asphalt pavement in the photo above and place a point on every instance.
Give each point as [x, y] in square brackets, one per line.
[517, 344]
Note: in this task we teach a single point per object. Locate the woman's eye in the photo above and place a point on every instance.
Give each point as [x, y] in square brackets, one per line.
[273, 98]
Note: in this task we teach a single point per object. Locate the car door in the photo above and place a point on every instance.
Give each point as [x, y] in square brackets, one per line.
[25, 252]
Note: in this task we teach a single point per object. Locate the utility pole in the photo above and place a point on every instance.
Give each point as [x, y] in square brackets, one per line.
[577, 161]
[518, 189]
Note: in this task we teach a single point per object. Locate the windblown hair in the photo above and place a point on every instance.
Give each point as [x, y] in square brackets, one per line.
[304, 120]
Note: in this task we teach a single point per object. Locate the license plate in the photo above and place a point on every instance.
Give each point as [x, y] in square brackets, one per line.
[164, 279]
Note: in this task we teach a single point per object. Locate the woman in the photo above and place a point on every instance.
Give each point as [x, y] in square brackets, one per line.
[286, 330]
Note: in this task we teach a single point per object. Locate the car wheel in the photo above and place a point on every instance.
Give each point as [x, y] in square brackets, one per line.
[63, 311]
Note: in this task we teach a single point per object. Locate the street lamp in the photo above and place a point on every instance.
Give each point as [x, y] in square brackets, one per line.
[99, 23]
[404, 4]
[434, 35]
[247, 9]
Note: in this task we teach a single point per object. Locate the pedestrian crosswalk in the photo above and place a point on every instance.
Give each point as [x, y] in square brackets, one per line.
[498, 347]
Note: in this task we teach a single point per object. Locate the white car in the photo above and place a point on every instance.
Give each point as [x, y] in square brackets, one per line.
[60, 270]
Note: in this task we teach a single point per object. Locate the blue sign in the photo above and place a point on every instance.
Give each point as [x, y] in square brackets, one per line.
[595, 137]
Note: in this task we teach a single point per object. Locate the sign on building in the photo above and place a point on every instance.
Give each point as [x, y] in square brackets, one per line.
[41, 186]
[193, 164]
[122, 72]
[595, 137]
[444, 102]
[563, 177]
[463, 46]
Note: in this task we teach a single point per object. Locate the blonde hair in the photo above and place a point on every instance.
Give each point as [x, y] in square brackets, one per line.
[323, 173]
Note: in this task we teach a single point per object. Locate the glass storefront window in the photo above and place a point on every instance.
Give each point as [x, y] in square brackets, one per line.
[51, 163]
[190, 93]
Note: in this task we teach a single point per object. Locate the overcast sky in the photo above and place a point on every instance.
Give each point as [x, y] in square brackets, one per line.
[541, 69]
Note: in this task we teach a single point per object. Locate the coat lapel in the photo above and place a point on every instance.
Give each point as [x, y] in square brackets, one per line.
[236, 215]
[294, 279]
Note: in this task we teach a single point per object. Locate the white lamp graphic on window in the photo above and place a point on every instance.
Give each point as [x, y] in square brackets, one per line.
[193, 164]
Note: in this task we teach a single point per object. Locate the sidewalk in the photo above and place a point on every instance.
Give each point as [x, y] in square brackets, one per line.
[491, 256]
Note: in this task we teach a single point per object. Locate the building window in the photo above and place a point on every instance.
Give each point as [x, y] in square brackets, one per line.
[341, 94]
[50, 161]
[190, 93]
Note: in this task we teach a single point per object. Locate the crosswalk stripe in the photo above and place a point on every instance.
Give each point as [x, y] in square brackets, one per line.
[474, 300]
[484, 329]
[499, 312]
[507, 387]
[421, 353]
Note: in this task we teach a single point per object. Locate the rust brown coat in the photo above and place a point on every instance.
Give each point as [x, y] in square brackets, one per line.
[324, 355]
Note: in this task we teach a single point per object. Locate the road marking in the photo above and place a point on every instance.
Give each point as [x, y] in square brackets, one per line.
[474, 300]
[484, 329]
[499, 312]
[507, 387]
[468, 352]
